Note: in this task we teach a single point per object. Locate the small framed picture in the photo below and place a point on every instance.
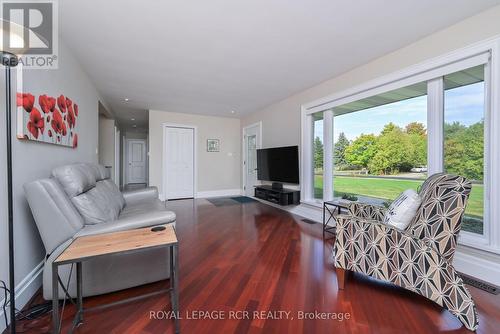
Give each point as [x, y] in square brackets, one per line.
[213, 145]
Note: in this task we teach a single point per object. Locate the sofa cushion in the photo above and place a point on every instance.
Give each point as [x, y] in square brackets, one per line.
[103, 173]
[401, 212]
[89, 209]
[143, 214]
[97, 205]
[75, 179]
[100, 172]
[141, 207]
[140, 195]
[114, 193]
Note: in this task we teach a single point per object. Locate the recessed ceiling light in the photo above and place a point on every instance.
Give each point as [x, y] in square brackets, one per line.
[232, 111]
[127, 99]
[132, 119]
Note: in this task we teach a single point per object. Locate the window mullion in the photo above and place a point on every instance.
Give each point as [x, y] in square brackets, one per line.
[492, 142]
[328, 155]
[307, 182]
[435, 125]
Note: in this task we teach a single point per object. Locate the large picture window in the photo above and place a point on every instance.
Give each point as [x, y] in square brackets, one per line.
[371, 147]
[380, 145]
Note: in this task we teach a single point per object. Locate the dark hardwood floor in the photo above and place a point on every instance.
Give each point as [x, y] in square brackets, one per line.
[254, 257]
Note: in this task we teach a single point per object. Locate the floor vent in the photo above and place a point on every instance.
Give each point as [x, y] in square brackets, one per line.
[309, 221]
[477, 283]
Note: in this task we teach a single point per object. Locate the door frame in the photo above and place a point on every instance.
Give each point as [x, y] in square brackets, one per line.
[125, 155]
[117, 156]
[163, 155]
[244, 151]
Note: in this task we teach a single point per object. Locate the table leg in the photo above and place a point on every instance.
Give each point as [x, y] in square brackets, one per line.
[79, 292]
[174, 283]
[324, 225]
[55, 299]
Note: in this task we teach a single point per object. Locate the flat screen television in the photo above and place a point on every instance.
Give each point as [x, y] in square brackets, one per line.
[278, 164]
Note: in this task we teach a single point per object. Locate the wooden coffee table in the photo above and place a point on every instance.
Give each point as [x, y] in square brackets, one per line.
[90, 247]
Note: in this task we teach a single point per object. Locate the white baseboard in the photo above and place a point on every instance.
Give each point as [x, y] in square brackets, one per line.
[212, 193]
[218, 193]
[24, 291]
[304, 210]
[308, 211]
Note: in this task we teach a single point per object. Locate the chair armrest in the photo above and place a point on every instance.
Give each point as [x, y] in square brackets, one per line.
[367, 211]
[140, 195]
[349, 230]
[346, 221]
[146, 219]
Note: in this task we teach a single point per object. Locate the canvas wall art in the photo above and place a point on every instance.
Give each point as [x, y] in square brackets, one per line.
[47, 119]
[213, 145]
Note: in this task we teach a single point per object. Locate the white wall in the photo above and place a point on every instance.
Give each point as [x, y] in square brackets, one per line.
[136, 135]
[107, 143]
[217, 171]
[281, 121]
[35, 160]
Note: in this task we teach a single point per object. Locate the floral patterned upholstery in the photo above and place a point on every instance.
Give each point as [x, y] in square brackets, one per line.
[419, 258]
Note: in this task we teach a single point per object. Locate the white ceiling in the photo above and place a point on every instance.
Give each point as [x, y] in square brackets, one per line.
[211, 57]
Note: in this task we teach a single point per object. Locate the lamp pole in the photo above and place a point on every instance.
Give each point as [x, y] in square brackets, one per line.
[10, 60]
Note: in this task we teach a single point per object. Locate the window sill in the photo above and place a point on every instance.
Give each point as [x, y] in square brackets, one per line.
[313, 203]
[474, 241]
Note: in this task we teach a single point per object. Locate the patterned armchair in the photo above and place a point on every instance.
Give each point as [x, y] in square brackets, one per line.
[418, 259]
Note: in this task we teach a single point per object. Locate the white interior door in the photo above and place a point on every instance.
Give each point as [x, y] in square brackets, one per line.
[179, 162]
[136, 161]
[251, 143]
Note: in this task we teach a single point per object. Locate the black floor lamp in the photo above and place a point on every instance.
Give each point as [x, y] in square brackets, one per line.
[10, 60]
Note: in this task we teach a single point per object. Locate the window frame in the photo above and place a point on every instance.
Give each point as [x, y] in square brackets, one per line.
[485, 53]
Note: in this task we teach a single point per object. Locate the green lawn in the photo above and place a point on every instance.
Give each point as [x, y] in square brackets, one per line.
[389, 189]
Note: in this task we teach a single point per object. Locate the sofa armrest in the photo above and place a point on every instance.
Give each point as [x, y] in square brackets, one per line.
[146, 219]
[140, 195]
[367, 211]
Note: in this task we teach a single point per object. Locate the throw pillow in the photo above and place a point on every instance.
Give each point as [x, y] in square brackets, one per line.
[401, 212]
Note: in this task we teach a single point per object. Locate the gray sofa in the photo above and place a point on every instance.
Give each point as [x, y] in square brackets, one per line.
[80, 199]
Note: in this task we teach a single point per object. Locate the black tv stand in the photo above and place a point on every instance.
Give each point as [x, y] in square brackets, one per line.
[281, 196]
[277, 186]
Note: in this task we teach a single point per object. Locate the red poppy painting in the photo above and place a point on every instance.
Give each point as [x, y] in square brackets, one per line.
[36, 124]
[54, 120]
[26, 101]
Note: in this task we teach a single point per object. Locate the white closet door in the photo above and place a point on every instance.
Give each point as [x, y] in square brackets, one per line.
[179, 162]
